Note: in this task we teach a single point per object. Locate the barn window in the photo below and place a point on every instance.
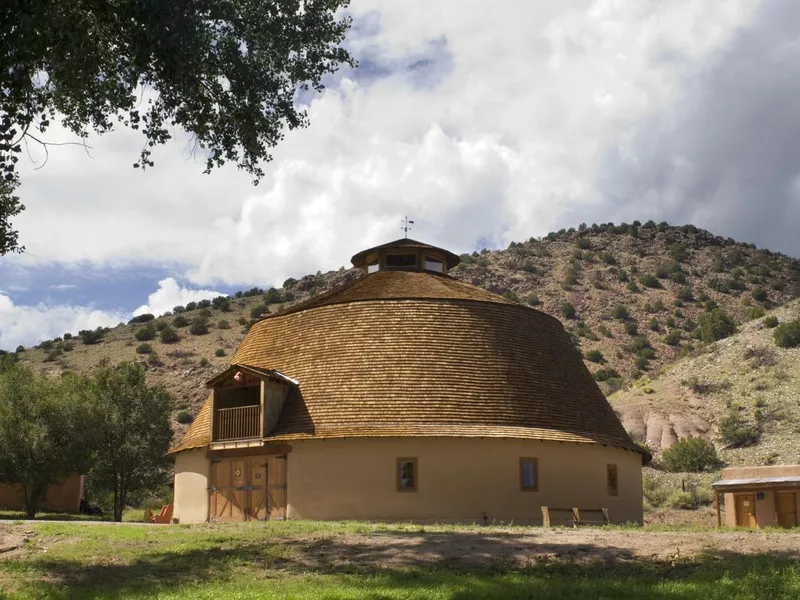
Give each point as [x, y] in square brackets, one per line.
[611, 476]
[434, 264]
[529, 474]
[407, 474]
[399, 261]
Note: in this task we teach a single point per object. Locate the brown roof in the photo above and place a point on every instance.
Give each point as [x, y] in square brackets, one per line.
[359, 260]
[402, 353]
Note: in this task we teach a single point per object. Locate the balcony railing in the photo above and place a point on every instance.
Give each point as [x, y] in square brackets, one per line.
[237, 423]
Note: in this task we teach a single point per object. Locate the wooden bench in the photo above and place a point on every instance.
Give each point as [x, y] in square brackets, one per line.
[579, 516]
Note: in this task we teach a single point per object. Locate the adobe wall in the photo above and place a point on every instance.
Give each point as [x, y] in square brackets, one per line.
[64, 497]
[192, 470]
[459, 480]
[766, 514]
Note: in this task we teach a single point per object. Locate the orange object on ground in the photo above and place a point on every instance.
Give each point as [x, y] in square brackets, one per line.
[165, 516]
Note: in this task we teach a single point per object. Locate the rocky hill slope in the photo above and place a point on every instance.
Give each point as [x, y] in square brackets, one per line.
[742, 392]
[634, 298]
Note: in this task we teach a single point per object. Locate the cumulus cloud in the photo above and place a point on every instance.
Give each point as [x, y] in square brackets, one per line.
[488, 123]
[28, 325]
[170, 294]
[724, 155]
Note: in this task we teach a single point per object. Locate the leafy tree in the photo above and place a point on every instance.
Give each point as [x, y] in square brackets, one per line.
[716, 325]
[226, 71]
[43, 431]
[132, 433]
[180, 321]
[692, 455]
[146, 333]
[142, 318]
[168, 335]
[258, 311]
[199, 326]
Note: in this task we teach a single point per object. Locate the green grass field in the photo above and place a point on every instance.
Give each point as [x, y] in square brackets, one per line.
[359, 560]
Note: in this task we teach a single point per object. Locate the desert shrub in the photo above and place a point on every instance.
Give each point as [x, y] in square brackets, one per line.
[180, 321]
[510, 295]
[199, 326]
[641, 363]
[161, 324]
[620, 312]
[691, 455]
[223, 324]
[68, 346]
[622, 276]
[656, 306]
[570, 278]
[787, 335]
[639, 343]
[654, 325]
[595, 356]
[203, 362]
[677, 252]
[204, 304]
[533, 300]
[67, 336]
[670, 322]
[222, 303]
[273, 296]
[146, 333]
[168, 335]
[649, 280]
[184, 417]
[684, 294]
[736, 432]
[771, 322]
[755, 312]
[716, 325]
[20, 349]
[778, 285]
[605, 331]
[178, 309]
[759, 294]
[242, 321]
[46, 345]
[606, 374]
[632, 287]
[258, 311]
[631, 328]
[205, 313]
[673, 337]
[760, 356]
[142, 319]
[655, 494]
[583, 243]
[219, 353]
[608, 258]
[144, 349]
[91, 336]
[568, 310]
[191, 306]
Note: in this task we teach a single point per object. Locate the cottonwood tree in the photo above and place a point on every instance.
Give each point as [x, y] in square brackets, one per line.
[132, 432]
[42, 431]
[226, 71]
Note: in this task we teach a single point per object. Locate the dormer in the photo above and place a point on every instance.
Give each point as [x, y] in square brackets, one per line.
[405, 255]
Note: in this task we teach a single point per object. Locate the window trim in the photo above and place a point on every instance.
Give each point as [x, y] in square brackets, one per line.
[612, 490]
[405, 459]
[522, 486]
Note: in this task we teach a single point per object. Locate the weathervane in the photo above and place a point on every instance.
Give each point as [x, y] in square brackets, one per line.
[405, 226]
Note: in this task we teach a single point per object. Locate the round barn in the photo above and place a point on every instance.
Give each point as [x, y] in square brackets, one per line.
[407, 395]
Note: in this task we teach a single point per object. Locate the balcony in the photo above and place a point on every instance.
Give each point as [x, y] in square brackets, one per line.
[240, 423]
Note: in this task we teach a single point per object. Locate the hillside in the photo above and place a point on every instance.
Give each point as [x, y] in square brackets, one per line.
[746, 385]
[634, 297]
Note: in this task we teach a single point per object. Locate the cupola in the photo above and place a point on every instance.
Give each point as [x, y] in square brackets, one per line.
[405, 255]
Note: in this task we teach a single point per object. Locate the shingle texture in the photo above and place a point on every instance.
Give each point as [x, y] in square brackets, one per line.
[418, 354]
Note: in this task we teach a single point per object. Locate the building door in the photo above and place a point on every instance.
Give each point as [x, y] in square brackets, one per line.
[248, 489]
[746, 510]
[227, 491]
[787, 509]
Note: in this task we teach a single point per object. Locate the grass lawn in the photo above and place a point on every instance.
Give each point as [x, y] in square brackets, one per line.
[359, 560]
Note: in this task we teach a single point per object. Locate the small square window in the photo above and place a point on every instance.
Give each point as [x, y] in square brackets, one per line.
[529, 474]
[401, 260]
[611, 476]
[434, 264]
[407, 474]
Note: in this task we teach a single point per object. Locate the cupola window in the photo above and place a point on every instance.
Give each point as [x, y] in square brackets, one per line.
[373, 266]
[434, 264]
[401, 261]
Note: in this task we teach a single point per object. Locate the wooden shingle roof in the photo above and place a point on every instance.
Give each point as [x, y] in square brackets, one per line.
[402, 353]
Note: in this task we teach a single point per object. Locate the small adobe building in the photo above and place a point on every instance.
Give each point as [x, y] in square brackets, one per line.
[406, 395]
[758, 497]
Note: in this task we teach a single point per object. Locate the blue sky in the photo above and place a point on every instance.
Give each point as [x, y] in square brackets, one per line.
[486, 126]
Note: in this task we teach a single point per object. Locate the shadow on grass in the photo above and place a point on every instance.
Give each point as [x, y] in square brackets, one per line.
[457, 566]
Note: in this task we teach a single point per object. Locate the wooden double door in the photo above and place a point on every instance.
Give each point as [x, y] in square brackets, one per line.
[786, 505]
[249, 488]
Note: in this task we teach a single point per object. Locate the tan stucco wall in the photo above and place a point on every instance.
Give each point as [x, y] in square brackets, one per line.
[191, 486]
[766, 515]
[755, 472]
[459, 479]
[64, 497]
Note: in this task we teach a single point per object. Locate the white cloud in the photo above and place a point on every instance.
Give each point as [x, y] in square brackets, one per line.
[511, 137]
[169, 294]
[28, 325]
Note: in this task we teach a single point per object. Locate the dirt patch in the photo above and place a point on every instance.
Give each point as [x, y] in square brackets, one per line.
[13, 540]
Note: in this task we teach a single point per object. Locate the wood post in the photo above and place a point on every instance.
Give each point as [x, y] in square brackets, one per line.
[545, 516]
[716, 507]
